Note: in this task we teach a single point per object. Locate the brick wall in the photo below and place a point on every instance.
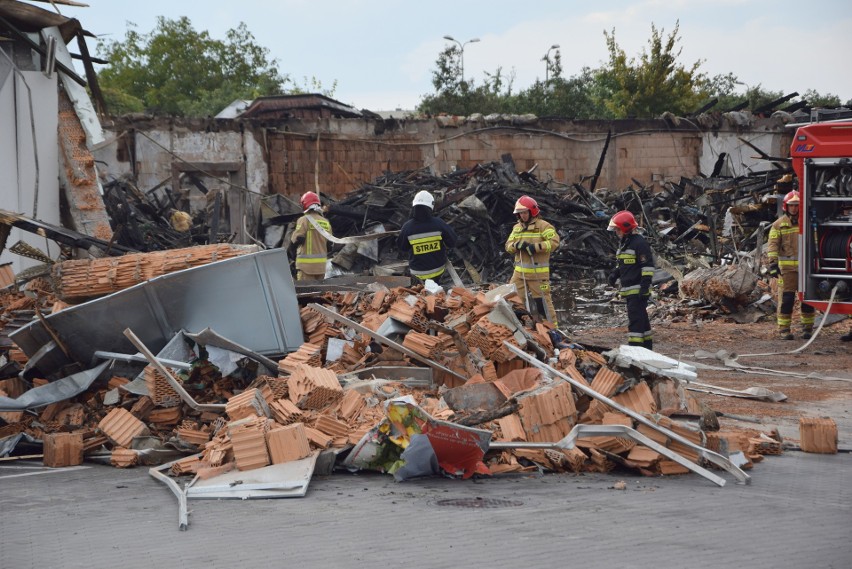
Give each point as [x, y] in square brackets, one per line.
[568, 152]
[282, 156]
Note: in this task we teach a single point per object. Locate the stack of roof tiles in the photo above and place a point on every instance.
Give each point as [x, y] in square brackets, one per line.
[309, 354]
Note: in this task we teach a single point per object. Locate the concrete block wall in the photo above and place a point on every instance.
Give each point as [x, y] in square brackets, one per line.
[156, 144]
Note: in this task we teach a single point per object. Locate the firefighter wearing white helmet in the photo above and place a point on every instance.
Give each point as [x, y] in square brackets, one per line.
[311, 246]
[426, 239]
[783, 252]
[531, 241]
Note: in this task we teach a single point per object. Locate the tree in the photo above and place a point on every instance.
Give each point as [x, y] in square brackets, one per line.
[815, 99]
[654, 84]
[455, 95]
[574, 97]
[623, 87]
[176, 70]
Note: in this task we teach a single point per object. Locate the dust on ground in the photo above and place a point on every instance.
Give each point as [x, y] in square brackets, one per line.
[810, 396]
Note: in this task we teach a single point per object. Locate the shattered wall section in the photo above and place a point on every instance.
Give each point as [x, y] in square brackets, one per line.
[189, 162]
[345, 153]
[79, 176]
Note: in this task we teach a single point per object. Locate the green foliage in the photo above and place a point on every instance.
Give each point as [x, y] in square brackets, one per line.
[576, 98]
[623, 87]
[654, 84]
[120, 103]
[459, 96]
[177, 70]
[313, 85]
[644, 87]
[827, 100]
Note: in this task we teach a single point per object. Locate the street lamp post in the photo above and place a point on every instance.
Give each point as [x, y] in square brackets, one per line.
[547, 63]
[461, 49]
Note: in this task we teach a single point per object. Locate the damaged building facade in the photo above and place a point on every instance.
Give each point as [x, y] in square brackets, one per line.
[246, 371]
[291, 154]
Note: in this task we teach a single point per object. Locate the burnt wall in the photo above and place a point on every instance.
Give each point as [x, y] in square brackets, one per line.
[289, 156]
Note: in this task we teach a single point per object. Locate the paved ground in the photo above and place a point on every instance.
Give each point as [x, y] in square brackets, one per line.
[797, 513]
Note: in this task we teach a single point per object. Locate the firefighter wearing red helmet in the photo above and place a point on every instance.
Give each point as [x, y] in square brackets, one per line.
[531, 241]
[311, 246]
[634, 269]
[783, 252]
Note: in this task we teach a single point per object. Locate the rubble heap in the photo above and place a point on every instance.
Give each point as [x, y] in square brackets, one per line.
[320, 398]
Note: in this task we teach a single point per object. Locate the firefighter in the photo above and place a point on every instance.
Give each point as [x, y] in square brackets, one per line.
[426, 239]
[635, 269]
[311, 246]
[531, 241]
[783, 252]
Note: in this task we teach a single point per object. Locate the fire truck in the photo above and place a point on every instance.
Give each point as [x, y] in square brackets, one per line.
[822, 160]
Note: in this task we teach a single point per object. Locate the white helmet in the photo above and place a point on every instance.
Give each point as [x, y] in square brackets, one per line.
[424, 198]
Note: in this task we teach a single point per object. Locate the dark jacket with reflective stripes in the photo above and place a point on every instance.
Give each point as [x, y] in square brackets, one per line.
[635, 265]
[426, 241]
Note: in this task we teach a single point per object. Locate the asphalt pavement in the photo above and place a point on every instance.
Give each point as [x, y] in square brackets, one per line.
[796, 513]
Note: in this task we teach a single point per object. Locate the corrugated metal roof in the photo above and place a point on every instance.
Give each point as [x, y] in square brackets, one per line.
[29, 18]
[278, 103]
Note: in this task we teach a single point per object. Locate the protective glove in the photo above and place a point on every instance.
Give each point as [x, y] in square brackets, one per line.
[613, 278]
[773, 270]
[520, 246]
[530, 247]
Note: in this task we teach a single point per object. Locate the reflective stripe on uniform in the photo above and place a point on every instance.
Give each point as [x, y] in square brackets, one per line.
[431, 274]
[310, 258]
[422, 243]
[788, 262]
[521, 268]
[629, 290]
[628, 256]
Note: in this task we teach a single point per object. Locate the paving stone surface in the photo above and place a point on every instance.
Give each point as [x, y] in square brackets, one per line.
[797, 513]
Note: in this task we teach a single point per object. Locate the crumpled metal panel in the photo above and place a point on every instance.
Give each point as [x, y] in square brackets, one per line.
[55, 391]
[249, 299]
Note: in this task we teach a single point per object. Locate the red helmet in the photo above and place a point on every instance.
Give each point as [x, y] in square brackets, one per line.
[526, 203]
[309, 199]
[792, 198]
[624, 221]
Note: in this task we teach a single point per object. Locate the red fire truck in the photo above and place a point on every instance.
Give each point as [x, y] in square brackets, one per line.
[822, 160]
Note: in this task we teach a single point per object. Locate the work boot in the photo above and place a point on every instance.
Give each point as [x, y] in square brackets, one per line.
[807, 333]
[785, 334]
[847, 337]
[648, 344]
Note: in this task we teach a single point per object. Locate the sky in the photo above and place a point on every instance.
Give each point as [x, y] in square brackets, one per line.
[381, 53]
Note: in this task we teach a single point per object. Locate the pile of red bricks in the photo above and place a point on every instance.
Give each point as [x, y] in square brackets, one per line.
[80, 280]
[269, 420]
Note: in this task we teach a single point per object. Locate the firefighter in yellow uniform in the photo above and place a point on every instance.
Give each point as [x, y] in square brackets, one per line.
[783, 252]
[531, 242]
[311, 246]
